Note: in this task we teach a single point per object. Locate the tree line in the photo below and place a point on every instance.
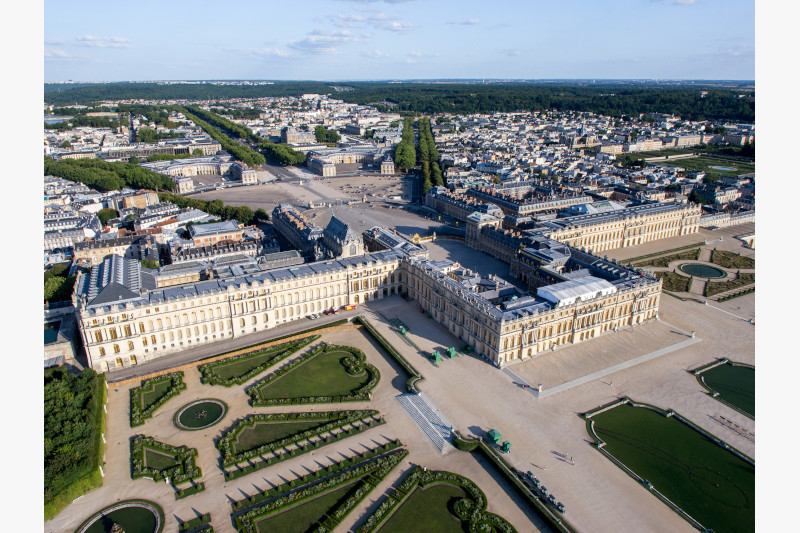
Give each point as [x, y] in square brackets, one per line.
[405, 155]
[238, 151]
[217, 208]
[463, 98]
[107, 176]
[149, 135]
[428, 157]
[83, 120]
[324, 135]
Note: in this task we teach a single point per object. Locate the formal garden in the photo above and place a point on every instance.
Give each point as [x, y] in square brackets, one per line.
[327, 374]
[130, 516]
[733, 384]
[443, 501]
[318, 501]
[200, 414]
[152, 394]
[706, 481]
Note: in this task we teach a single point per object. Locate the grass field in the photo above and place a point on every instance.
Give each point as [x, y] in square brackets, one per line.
[432, 506]
[735, 384]
[711, 484]
[301, 518]
[705, 164]
[158, 460]
[266, 432]
[241, 367]
[152, 396]
[324, 375]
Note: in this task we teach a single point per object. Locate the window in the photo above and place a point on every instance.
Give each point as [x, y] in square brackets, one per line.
[98, 337]
[130, 345]
[144, 341]
[116, 348]
[112, 333]
[102, 351]
[119, 360]
[128, 330]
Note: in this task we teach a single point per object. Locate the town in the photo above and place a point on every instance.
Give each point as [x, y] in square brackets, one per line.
[494, 279]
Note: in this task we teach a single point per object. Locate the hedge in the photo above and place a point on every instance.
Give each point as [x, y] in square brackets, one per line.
[732, 260]
[189, 525]
[717, 287]
[184, 470]
[690, 255]
[188, 491]
[415, 376]
[639, 258]
[337, 419]
[138, 415]
[371, 471]
[355, 365]
[322, 473]
[471, 510]
[208, 375]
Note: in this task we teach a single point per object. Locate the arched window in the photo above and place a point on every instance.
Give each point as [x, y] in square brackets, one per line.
[241, 322]
[130, 345]
[116, 348]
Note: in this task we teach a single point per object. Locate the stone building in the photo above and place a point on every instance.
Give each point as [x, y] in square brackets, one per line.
[340, 240]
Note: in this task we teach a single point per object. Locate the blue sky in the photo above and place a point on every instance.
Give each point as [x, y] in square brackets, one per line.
[403, 39]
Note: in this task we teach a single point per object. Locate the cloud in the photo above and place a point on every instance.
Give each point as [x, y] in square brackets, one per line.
[375, 54]
[375, 20]
[375, 1]
[415, 54]
[262, 53]
[322, 42]
[102, 42]
[513, 52]
[468, 22]
[54, 54]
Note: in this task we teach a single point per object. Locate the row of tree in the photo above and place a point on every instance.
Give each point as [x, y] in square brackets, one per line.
[238, 151]
[83, 120]
[283, 153]
[325, 135]
[149, 135]
[242, 213]
[405, 155]
[428, 156]
[107, 176]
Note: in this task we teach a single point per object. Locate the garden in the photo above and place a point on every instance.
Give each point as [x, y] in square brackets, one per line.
[707, 482]
[321, 500]
[152, 394]
[674, 282]
[270, 434]
[731, 383]
[443, 501]
[240, 368]
[130, 516]
[200, 414]
[663, 261]
[156, 460]
[732, 260]
[330, 373]
[740, 281]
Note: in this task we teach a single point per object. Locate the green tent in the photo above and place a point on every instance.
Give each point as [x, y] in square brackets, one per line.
[450, 352]
[506, 447]
[495, 436]
[436, 356]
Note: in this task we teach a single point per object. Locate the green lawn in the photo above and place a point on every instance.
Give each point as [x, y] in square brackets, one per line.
[735, 384]
[304, 517]
[705, 164]
[158, 460]
[152, 396]
[324, 375]
[711, 484]
[432, 507]
[266, 432]
[241, 367]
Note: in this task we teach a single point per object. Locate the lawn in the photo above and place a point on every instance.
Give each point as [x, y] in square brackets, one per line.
[432, 506]
[159, 460]
[305, 516]
[324, 375]
[741, 280]
[241, 367]
[735, 384]
[711, 484]
[266, 432]
[705, 164]
[690, 255]
[152, 396]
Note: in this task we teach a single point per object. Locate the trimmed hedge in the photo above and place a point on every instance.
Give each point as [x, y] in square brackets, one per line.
[355, 365]
[184, 470]
[188, 491]
[189, 525]
[690, 255]
[336, 419]
[732, 260]
[717, 287]
[322, 473]
[657, 254]
[371, 473]
[415, 376]
[208, 371]
[471, 510]
[138, 414]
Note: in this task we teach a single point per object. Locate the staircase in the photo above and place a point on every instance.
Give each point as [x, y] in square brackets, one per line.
[428, 419]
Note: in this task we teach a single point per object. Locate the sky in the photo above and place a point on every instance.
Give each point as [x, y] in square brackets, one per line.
[398, 39]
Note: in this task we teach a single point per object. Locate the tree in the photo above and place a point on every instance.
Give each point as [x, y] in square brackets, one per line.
[66, 144]
[197, 152]
[261, 215]
[106, 214]
[133, 160]
[244, 215]
[149, 263]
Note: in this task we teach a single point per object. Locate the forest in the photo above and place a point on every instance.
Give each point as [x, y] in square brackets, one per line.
[608, 99]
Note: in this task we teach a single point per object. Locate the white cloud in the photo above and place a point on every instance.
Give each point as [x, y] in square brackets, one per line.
[102, 42]
[375, 54]
[415, 54]
[374, 20]
[323, 42]
[262, 53]
[54, 54]
[468, 22]
[676, 2]
[513, 52]
[399, 26]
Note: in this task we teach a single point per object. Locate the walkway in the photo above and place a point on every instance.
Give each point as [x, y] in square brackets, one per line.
[601, 373]
[428, 419]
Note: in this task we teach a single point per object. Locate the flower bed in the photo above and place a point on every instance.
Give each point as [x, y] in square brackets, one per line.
[414, 375]
[732, 260]
[336, 419]
[139, 414]
[184, 469]
[355, 365]
[369, 473]
[209, 372]
[471, 510]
